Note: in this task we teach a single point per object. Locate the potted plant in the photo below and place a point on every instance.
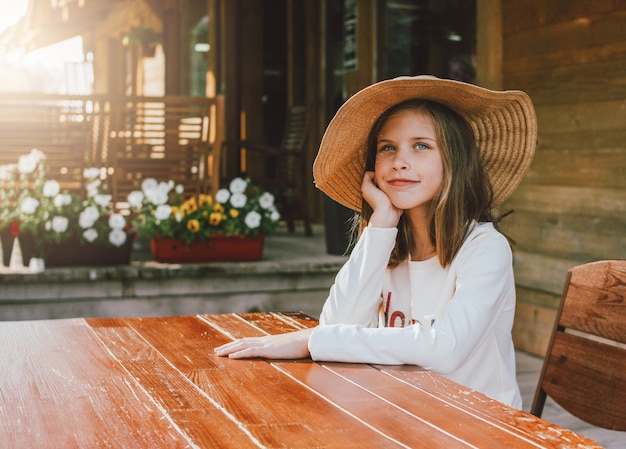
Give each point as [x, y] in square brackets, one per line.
[182, 228]
[146, 37]
[62, 228]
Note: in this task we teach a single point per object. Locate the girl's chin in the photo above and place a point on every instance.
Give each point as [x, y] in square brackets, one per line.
[408, 204]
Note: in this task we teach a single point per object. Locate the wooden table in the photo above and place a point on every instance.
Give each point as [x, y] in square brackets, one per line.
[155, 383]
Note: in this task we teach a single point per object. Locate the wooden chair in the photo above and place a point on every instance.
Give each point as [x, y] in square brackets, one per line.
[288, 180]
[166, 138]
[585, 367]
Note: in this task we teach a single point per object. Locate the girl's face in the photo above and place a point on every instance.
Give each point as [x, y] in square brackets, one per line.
[408, 161]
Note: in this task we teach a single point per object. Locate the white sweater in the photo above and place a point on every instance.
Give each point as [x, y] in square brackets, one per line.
[455, 321]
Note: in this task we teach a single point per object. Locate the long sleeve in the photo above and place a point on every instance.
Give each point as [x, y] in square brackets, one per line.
[470, 340]
[354, 297]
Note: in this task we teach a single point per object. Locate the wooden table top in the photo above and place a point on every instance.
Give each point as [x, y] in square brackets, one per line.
[156, 383]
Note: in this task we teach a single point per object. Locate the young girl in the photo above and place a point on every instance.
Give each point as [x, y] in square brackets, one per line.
[430, 281]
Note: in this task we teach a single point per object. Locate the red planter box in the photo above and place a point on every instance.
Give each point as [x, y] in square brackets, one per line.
[219, 248]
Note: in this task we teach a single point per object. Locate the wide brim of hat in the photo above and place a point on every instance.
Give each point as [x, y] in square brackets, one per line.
[503, 122]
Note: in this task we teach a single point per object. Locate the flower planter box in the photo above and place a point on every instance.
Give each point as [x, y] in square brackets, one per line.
[27, 246]
[72, 253]
[219, 248]
[6, 239]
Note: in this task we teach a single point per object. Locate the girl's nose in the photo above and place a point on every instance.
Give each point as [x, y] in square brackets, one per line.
[400, 162]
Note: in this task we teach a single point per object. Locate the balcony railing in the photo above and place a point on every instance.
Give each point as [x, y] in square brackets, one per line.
[170, 137]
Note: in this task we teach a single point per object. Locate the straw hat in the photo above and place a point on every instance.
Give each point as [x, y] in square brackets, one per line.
[504, 125]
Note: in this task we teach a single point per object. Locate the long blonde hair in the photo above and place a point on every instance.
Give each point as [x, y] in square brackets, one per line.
[465, 194]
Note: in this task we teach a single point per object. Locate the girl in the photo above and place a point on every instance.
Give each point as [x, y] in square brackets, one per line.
[430, 281]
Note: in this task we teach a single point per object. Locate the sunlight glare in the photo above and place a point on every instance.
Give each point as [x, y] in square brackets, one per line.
[57, 68]
[11, 11]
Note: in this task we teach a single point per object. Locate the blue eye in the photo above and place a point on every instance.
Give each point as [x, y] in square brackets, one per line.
[421, 146]
[386, 148]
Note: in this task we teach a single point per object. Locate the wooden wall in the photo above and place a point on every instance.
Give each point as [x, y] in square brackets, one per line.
[570, 57]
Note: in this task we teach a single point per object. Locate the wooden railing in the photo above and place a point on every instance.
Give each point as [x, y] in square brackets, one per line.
[170, 137]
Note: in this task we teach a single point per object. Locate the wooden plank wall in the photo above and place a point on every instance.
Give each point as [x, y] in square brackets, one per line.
[570, 57]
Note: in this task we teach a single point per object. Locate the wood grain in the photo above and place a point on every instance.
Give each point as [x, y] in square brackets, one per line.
[594, 301]
[156, 382]
[571, 380]
[584, 370]
[570, 57]
[260, 407]
[61, 389]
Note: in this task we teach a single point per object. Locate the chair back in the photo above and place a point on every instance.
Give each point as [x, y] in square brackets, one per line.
[166, 138]
[291, 166]
[584, 369]
[286, 168]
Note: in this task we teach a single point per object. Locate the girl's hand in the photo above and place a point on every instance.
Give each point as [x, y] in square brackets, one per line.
[293, 345]
[385, 215]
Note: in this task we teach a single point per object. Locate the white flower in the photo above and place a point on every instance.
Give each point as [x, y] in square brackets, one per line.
[29, 205]
[63, 199]
[266, 200]
[51, 188]
[253, 220]
[163, 212]
[60, 224]
[88, 217]
[158, 194]
[274, 216]
[222, 196]
[103, 200]
[6, 171]
[135, 198]
[85, 222]
[93, 188]
[90, 235]
[37, 155]
[27, 163]
[178, 217]
[238, 200]
[180, 189]
[91, 173]
[149, 184]
[117, 221]
[117, 237]
[91, 212]
[238, 185]
[156, 197]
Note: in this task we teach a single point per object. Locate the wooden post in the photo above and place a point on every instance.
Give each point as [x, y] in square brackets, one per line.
[489, 43]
